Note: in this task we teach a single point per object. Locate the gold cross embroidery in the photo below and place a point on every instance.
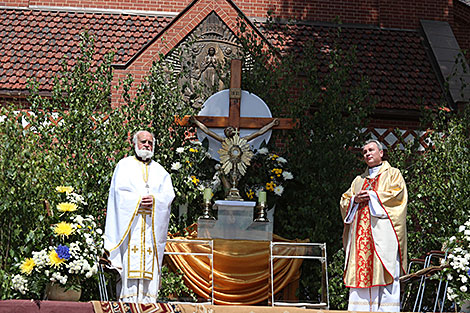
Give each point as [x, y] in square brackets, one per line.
[135, 249]
[149, 251]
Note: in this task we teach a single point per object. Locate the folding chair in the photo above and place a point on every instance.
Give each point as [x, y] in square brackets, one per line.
[431, 265]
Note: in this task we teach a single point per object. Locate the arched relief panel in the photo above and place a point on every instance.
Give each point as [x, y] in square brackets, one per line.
[203, 57]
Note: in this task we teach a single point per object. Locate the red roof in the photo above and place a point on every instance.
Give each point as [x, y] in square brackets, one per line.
[395, 61]
[33, 42]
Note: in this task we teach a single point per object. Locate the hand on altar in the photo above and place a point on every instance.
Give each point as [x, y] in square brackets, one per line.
[362, 196]
[147, 202]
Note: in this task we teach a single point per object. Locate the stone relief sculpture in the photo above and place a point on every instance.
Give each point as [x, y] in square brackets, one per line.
[204, 58]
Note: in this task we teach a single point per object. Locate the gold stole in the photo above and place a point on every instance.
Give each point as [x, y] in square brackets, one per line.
[364, 241]
[140, 252]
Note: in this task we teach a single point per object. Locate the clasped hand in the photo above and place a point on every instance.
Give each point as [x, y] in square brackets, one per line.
[147, 202]
[362, 196]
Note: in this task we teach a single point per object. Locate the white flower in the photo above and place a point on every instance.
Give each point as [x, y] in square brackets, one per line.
[179, 150]
[287, 175]
[41, 259]
[281, 160]
[99, 231]
[463, 288]
[461, 228]
[467, 232]
[176, 166]
[19, 283]
[263, 151]
[452, 238]
[76, 198]
[278, 190]
[463, 279]
[79, 219]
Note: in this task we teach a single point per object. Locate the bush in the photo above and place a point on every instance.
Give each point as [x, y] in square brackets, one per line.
[76, 138]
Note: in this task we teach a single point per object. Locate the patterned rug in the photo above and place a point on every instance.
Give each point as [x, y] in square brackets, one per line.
[121, 307]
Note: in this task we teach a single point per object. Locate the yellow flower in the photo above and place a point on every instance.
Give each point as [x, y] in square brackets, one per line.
[27, 266]
[277, 171]
[192, 150]
[250, 194]
[63, 229]
[270, 186]
[66, 207]
[54, 259]
[194, 179]
[274, 157]
[66, 189]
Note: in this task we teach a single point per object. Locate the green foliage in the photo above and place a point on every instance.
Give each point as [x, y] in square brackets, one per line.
[329, 117]
[331, 106]
[76, 137]
[24, 182]
[438, 182]
[174, 288]
[339, 294]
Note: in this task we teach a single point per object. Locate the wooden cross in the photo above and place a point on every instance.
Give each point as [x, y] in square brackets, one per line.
[234, 119]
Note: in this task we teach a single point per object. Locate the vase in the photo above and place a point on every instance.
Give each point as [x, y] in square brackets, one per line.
[58, 293]
[465, 306]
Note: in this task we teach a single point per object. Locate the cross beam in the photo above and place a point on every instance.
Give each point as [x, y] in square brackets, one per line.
[234, 119]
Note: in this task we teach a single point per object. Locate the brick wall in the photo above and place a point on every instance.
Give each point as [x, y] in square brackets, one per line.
[461, 26]
[385, 13]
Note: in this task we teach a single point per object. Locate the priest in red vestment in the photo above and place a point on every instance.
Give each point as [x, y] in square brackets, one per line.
[374, 238]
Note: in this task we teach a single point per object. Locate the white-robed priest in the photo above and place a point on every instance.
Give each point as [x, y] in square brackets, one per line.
[137, 220]
[374, 215]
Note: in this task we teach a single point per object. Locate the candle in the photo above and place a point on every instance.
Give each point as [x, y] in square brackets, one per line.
[207, 193]
[262, 197]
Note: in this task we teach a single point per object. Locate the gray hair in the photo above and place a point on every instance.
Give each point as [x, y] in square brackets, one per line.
[136, 134]
[379, 145]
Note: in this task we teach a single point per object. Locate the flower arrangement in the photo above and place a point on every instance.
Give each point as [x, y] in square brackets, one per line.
[267, 172]
[193, 170]
[187, 171]
[458, 269]
[71, 254]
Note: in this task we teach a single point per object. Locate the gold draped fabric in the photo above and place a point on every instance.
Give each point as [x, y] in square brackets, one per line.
[241, 269]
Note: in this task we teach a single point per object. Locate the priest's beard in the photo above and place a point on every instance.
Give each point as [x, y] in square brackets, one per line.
[143, 154]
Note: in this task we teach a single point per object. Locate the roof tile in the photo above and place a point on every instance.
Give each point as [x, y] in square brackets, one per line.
[395, 61]
[34, 41]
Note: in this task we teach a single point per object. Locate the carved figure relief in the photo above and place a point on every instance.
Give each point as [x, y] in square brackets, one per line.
[204, 57]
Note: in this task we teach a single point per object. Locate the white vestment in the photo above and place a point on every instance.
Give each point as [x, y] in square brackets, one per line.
[136, 237]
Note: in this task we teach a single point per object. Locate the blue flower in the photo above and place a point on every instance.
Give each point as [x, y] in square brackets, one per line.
[63, 252]
[468, 272]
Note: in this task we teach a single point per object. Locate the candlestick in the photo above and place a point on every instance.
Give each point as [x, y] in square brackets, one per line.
[207, 193]
[261, 215]
[206, 213]
[262, 197]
